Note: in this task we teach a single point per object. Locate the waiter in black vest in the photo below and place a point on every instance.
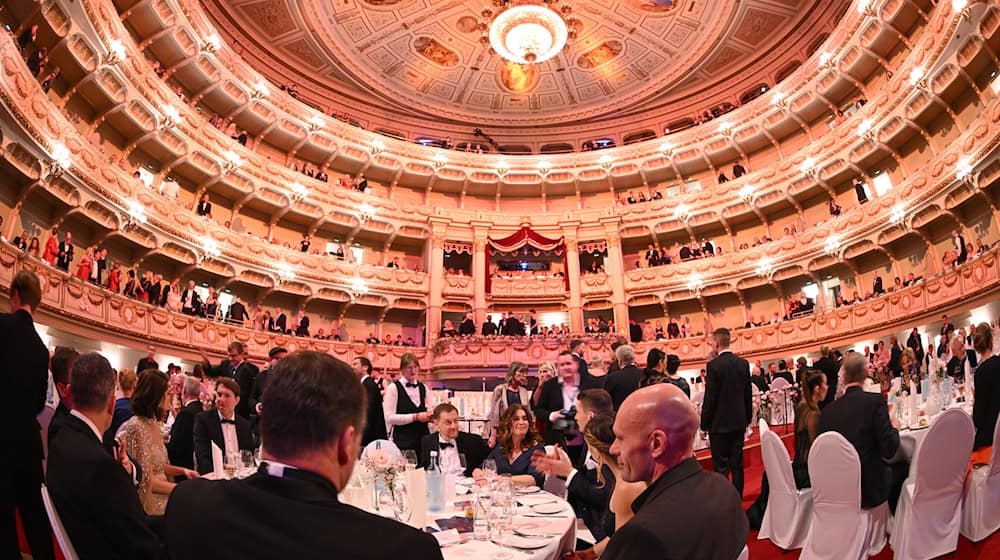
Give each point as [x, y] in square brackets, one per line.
[405, 406]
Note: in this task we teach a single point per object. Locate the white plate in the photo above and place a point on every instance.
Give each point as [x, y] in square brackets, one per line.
[523, 543]
[547, 508]
[528, 489]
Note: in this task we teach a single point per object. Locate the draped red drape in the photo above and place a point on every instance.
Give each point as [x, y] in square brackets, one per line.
[525, 236]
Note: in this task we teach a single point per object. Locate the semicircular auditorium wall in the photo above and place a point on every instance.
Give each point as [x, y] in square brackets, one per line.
[921, 145]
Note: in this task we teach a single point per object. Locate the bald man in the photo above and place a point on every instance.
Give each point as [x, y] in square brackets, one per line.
[686, 512]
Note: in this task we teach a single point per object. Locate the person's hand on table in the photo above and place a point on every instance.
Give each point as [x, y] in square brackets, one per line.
[557, 464]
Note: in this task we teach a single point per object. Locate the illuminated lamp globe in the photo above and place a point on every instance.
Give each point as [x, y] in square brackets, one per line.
[528, 34]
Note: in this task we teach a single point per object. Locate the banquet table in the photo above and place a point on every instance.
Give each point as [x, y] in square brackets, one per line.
[910, 439]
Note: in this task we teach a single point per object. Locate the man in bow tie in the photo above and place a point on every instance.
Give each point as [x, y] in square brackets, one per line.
[450, 442]
[405, 406]
[223, 427]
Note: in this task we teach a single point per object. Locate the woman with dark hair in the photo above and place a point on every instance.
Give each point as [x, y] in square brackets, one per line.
[986, 407]
[673, 364]
[655, 368]
[511, 391]
[142, 437]
[599, 436]
[517, 440]
[33, 247]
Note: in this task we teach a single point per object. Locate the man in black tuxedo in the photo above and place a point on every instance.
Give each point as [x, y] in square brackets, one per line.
[302, 329]
[960, 247]
[274, 356]
[280, 322]
[92, 489]
[181, 446]
[589, 498]
[655, 431]
[290, 508]
[468, 326]
[625, 381]
[155, 290]
[449, 442]
[204, 207]
[405, 406]
[863, 419]
[489, 327]
[24, 361]
[238, 368]
[147, 361]
[65, 256]
[375, 419]
[587, 381]
[223, 427]
[831, 370]
[634, 331]
[726, 410]
[190, 300]
[557, 396]
[237, 313]
[512, 326]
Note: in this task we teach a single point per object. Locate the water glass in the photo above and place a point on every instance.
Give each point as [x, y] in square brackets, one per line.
[410, 457]
[482, 502]
[230, 463]
[249, 462]
[501, 521]
[490, 470]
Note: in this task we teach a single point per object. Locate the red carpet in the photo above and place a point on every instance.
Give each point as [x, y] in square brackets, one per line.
[765, 549]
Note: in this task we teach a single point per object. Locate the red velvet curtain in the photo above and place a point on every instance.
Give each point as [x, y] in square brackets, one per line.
[525, 236]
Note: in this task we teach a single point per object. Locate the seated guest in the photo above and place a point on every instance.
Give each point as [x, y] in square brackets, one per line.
[405, 406]
[123, 406]
[863, 419]
[511, 391]
[223, 427]
[625, 381]
[589, 479]
[654, 440]
[600, 436]
[517, 440]
[143, 438]
[450, 443]
[986, 408]
[180, 450]
[93, 490]
[290, 508]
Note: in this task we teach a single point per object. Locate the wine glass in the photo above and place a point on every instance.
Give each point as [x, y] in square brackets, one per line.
[230, 463]
[248, 460]
[501, 519]
[410, 457]
[401, 509]
[490, 470]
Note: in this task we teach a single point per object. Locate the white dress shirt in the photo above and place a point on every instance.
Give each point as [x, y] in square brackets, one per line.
[569, 398]
[589, 464]
[448, 456]
[229, 439]
[391, 398]
[91, 425]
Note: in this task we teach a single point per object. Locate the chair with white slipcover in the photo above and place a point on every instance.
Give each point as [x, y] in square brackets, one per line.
[62, 537]
[981, 503]
[762, 426]
[745, 555]
[929, 511]
[841, 529]
[786, 519]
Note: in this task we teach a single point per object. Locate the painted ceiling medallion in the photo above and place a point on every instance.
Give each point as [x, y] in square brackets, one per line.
[528, 32]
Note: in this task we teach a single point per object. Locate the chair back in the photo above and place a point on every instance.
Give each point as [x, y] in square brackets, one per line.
[778, 466]
[779, 383]
[995, 455]
[745, 555]
[62, 537]
[835, 473]
[942, 459]
[763, 427]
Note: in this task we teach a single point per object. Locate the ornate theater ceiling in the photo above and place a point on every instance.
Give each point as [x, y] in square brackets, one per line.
[423, 58]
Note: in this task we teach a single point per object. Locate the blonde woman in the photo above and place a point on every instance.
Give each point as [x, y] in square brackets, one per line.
[512, 391]
[546, 371]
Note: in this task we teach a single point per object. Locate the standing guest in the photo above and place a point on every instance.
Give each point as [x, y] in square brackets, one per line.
[25, 363]
[467, 327]
[123, 408]
[405, 406]
[60, 366]
[557, 397]
[726, 410]
[517, 441]
[100, 265]
[92, 489]
[33, 248]
[546, 371]
[274, 355]
[52, 248]
[204, 208]
[986, 407]
[625, 381]
[237, 313]
[290, 507]
[305, 243]
[280, 324]
[654, 437]
[180, 450]
[489, 327]
[673, 364]
[863, 419]
[21, 241]
[375, 419]
[236, 367]
[831, 370]
[143, 438]
[148, 362]
[84, 267]
[450, 443]
[859, 190]
[115, 278]
[65, 255]
[916, 343]
[511, 391]
[190, 300]
[222, 426]
[171, 297]
[302, 327]
[960, 247]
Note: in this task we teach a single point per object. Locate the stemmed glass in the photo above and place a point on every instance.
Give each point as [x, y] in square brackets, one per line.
[410, 458]
[400, 502]
[501, 521]
[490, 470]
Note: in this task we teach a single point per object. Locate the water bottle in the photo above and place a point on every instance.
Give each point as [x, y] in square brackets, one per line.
[481, 509]
[435, 484]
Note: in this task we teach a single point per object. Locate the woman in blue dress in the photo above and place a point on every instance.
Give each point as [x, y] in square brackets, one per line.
[517, 440]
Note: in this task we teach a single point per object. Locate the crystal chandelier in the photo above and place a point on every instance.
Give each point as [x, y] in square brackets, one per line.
[527, 31]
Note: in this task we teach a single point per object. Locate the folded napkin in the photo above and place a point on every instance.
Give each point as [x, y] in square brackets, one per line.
[217, 461]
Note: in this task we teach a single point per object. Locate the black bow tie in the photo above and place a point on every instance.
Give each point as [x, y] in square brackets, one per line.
[444, 444]
[414, 385]
[233, 422]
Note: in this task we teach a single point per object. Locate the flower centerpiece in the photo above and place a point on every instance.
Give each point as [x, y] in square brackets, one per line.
[383, 463]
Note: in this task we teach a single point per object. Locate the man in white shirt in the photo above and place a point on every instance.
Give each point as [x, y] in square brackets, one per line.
[223, 427]
[190, 301]
[405, 406]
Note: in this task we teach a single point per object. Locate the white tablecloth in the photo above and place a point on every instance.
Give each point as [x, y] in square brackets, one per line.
[910, 440]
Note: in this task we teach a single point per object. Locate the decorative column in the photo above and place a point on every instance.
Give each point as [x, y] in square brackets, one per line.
[615, 267]
[435, 268]
[573, 273]
[479, 272]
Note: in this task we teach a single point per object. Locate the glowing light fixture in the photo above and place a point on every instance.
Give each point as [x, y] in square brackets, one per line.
[832, 244]
[117, 53]
[136, 214]
[377, 147]
[209, 248]
[695, 282]
[316, 122]
[233, 161]
[746, 192]
[212, 43]
[440, 160]
[285, 273]
[606, 162]
[260, 90]
[358, 287]
[917, 77]
[527, 31]
[898, 213]
[808, 166]
[764, 267]
[544, 167]
[825, 59]
[865, 129]
[666, 148]
[778, 100]
[61, 157]
[502, 168]
[964, 169]
[366, 212]
[681, 211]
[171, 116]
[299, 191]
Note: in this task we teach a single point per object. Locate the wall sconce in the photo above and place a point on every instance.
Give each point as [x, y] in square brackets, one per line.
[233, 161]
[865, 130]
[682, 211]
[260, 90]
[898, 213]
[285, 273]
[299, 191]
[117, 52]
[606, 162]
[440, 160]
[316, 122]
[695, 282]
[377, 147]
[808, 166]
[747, 192]
[209, 249]
[779, 99]
[358, 287]
[826, 60]
[502, 168]
[61, 160]
[212, 43]
[136, 214]
[832, 245]
[366, 212]
[171, 116]
[764, 268]
[544, 167]
[917, 78]
[666, 148]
